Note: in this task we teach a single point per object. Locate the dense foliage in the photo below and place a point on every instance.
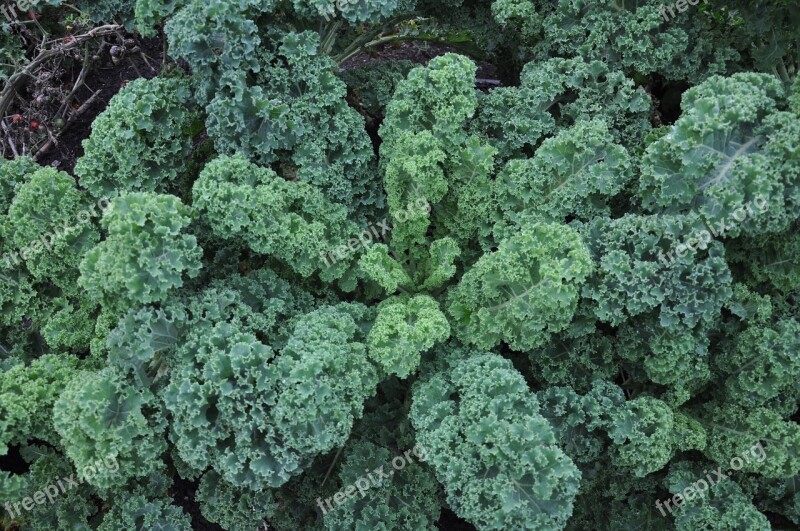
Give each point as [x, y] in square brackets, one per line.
[380, 297]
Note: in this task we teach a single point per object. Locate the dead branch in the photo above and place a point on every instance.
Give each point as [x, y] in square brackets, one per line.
[78, 84]
[10, 140]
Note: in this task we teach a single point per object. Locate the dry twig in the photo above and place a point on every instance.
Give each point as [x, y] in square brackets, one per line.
[11, 143]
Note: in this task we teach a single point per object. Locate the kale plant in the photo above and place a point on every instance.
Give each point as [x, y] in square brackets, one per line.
[315, 295]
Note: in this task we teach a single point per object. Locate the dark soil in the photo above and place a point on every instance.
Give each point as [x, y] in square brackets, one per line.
[667, 97]
[450, 522]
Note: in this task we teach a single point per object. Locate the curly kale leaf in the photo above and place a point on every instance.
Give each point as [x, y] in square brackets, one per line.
[762, 363]
[50, 227]
[408, 499]
[144, 255]
[524, 292]
[233, 508]
[258, 419]
[296, 113]
[405, 327]
[495, 454]
[427, 153]
[556, 93]
[27, 396]
[99, 414]
[141, 141]
[292, 221]
[576, 173]
[731, 158]
[643, 264]
[634, 36]
[137, 512]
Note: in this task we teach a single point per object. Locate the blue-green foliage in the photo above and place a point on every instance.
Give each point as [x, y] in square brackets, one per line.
[254, 419]
[233, 508]
[100, 416]
[557, 302]
[144, 254]
[496, 455]
[408, 499]
[295, 112]
[137, 512]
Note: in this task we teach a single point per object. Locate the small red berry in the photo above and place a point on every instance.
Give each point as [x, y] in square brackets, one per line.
[68, 39]
[16, 118]
[34, 124]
